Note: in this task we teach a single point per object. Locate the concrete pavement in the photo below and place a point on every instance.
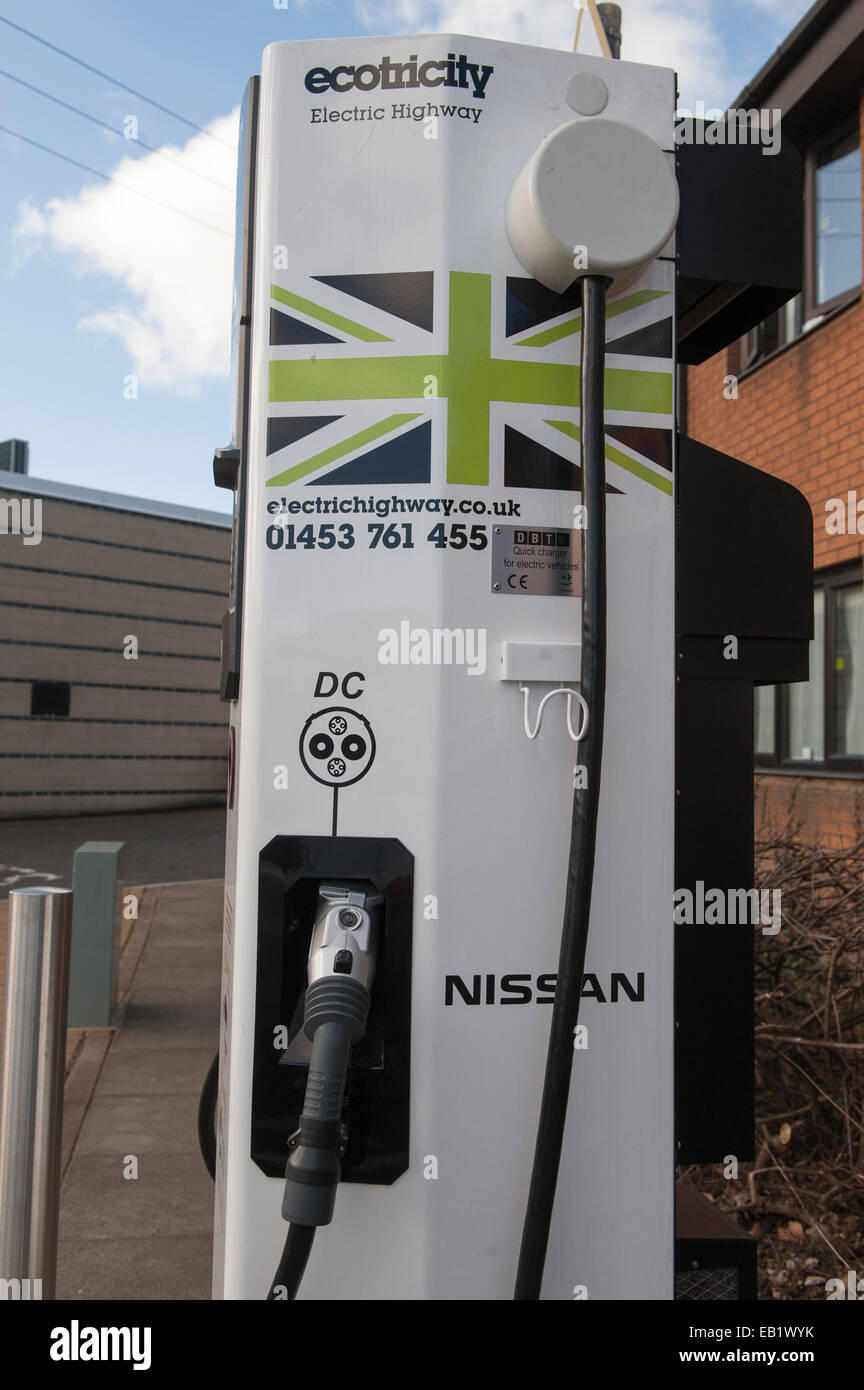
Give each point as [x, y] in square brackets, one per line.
[136, 1207]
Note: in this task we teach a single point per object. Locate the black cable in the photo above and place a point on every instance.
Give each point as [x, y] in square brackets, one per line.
[67, 159]
[105, 125]
[292, 1265]
[583, 832]
[108, 78]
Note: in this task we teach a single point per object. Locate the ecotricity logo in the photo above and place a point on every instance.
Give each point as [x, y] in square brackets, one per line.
[451, 71]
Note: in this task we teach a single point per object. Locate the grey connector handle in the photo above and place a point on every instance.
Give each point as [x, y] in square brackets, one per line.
[340, 971]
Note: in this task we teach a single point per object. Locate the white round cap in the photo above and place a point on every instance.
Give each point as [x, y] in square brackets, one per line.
[587, 93]
[597, 198]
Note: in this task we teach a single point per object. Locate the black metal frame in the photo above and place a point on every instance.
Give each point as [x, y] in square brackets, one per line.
[757, 585]
[235, 466]
[811, 308]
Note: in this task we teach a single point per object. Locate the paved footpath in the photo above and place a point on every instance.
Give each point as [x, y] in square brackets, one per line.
[132, 1105]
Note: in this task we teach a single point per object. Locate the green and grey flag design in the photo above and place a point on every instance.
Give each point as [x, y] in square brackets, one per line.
[363, 368]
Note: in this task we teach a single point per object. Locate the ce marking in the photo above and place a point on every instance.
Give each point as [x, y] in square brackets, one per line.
[517, 581]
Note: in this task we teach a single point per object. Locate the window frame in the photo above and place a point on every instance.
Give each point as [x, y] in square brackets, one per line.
[813, 313]
[842, 577]
[814, 308]
[750, 358]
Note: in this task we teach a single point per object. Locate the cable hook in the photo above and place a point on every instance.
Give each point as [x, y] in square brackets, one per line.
[561, 690]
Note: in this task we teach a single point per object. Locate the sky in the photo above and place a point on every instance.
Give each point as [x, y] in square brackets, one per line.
[116, 300]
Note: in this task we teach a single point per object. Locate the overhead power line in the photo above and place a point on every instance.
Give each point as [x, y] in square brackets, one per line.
[105, 126]
[108, 178]
[108, 78]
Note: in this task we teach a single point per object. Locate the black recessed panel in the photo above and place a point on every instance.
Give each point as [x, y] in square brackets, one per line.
[291, 869]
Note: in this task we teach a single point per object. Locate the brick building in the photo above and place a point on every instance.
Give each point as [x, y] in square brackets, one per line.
[110, 627]
[789, 398]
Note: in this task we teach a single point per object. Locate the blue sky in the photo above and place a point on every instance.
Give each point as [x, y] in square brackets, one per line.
[99, 285]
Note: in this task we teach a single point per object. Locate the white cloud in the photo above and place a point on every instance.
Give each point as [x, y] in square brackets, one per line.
[173, 319]
[549, 26]
[172, 316]
[789, 11]
[687, 39]
[662, 32]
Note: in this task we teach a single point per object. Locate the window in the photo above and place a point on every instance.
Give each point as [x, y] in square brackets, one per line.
[848, 713]
[833, 246]
[836, 219]
[780, 328]
[805, 701]
[49, 697]
[819, 723]
[764, 710]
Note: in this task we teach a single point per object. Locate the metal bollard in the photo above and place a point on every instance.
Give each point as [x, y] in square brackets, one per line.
[32, 1070]
[95, 934]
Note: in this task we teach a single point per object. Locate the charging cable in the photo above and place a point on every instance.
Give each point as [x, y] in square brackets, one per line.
[340, 972]
[586, 801]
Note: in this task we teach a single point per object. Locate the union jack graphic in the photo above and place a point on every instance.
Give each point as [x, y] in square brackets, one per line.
[373, 377]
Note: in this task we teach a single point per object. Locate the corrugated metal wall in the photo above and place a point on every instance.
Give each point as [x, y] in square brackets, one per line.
[142, 732]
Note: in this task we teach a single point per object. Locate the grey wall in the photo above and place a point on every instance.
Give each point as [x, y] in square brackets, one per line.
[140, 734]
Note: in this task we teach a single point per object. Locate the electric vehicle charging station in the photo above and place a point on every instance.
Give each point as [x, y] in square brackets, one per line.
[409, 716]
